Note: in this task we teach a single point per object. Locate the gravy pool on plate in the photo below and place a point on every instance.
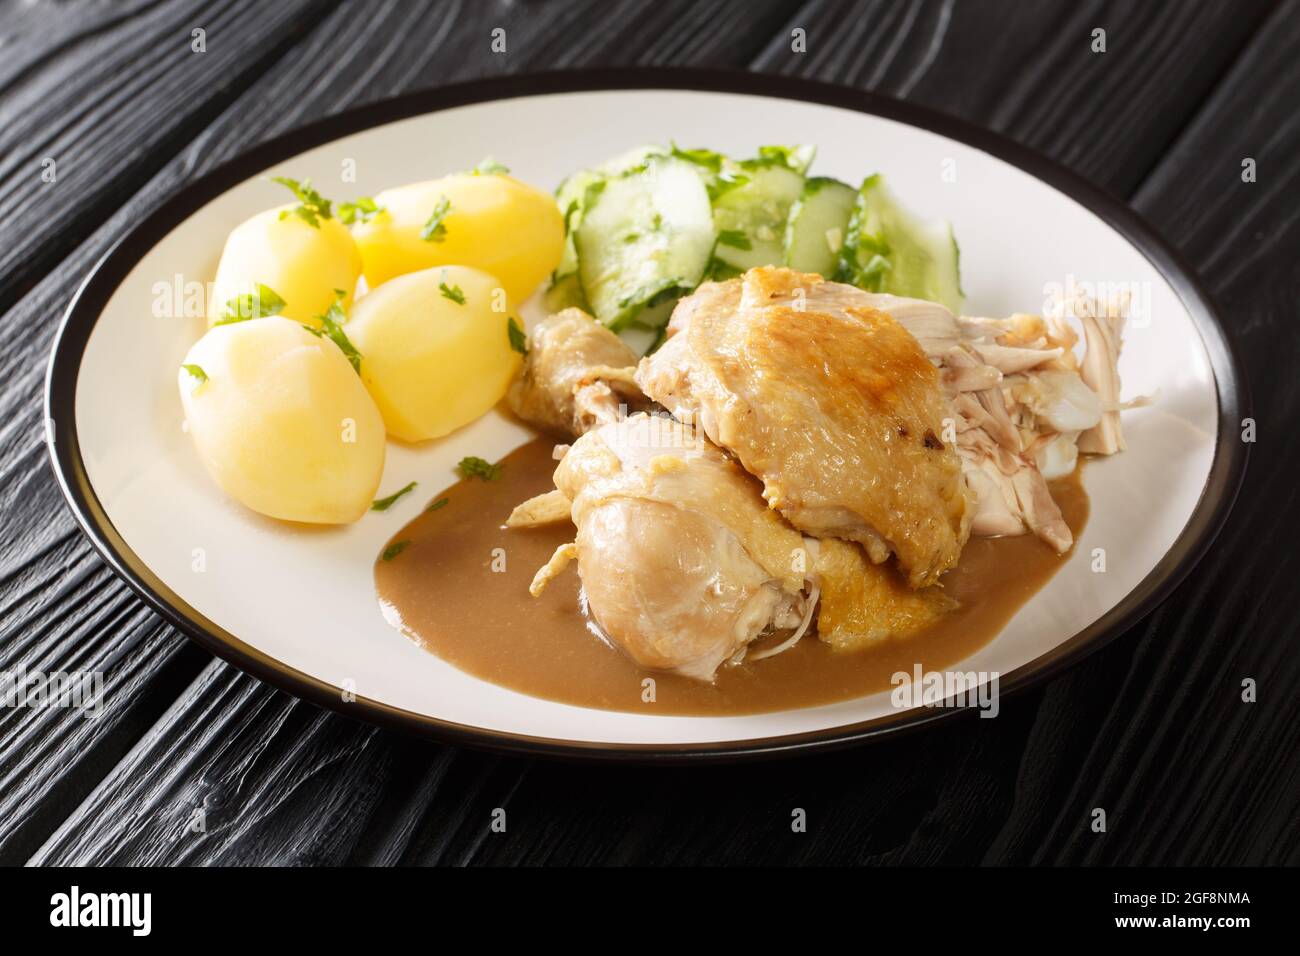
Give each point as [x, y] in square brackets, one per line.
[442, 591]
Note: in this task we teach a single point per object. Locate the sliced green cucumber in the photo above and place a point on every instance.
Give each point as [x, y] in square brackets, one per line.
[798, 158]
[565, 293]
[887, 249]
[818, 224]
[569, 198]
[751, 217]
[720, 174]
[570, 195]
[644, 235]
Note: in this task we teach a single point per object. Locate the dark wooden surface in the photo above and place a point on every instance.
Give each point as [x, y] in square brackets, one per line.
[1152, 729]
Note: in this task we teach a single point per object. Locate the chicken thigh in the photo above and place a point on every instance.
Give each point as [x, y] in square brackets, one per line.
[834, 406]
[682, 564]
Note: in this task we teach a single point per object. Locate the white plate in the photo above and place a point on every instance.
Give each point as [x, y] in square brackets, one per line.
[297, 607]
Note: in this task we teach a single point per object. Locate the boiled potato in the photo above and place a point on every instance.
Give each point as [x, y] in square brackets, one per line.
[432, 363]
[303, 264]
[494, 223]
[282, 421]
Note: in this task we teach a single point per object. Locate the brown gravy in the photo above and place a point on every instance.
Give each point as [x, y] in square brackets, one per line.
[442, 590]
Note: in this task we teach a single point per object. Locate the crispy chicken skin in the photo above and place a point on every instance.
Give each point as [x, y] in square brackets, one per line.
[682, 564]
[833, 406]
[863, 603]
[576, 375]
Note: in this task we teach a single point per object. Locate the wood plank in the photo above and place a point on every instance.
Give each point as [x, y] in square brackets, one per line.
[1195, 774]
[29, 36]
[108, 102]
[1115, 732]
[1032, 74]
[203, 795]
[396, 47]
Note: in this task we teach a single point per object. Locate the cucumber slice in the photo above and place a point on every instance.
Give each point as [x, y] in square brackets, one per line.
[887, 249]
[720, 174]
[819, 222]
[751, 217]
[798, 158]
[565, 293]
[569, 198]
[644, 236]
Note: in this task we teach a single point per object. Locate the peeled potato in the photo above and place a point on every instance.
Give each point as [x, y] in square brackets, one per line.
[303, 264]
[431, 363]
[494, 223]
[282, 421]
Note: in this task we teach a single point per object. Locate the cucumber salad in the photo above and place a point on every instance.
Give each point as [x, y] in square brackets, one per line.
[647, 227]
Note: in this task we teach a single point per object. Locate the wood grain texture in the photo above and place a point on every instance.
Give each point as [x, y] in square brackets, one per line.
[1029, 70]
[315, 789]
[1152, 728]
[80, 103]
[347, 59]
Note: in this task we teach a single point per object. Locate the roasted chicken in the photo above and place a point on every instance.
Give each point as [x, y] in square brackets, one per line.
[817, 431]
[577, 374]
[832, 404]
[682, 564]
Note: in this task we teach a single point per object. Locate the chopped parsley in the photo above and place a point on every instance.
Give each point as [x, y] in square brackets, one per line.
[312, 206]
[258, 304]
[452, 292]
[434, 229]
[734, 238]
[196, 373]
[518, 339]
[724, 182]
[383, 504]
[472, 467]
[362, 210]
[797, 158]
[707, 158]
[724, 177]
[489, 167]
[440, 503]
[394, 549]
[331, 326]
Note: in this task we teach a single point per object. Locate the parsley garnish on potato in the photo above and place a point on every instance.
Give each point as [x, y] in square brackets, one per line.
[196, 373]
[453, 292]
[360, 210]
[489, 167]
[434, 229]
[258, 304]
[312, 206]
[331, 326]
[518, 339]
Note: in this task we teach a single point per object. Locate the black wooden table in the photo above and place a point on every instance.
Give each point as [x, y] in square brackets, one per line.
[1153, 729]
